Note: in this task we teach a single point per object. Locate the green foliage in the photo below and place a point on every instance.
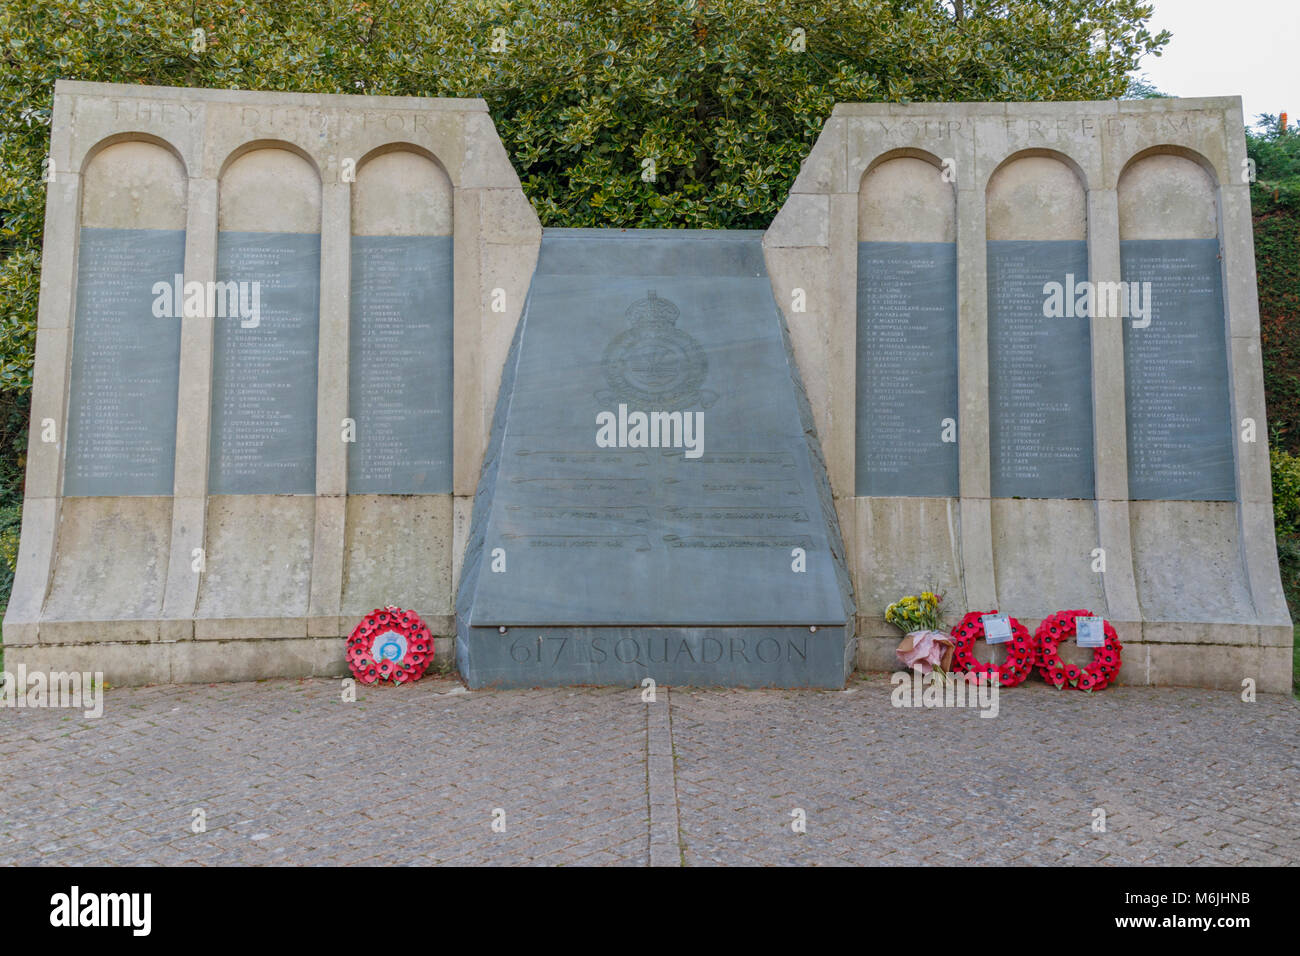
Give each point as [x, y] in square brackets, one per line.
[716, 93]
[1286, 492]
[1288, 559]
[717, 96]
[13, 439]
[19, 285]
[1277, 264]
[1277, 165]
[713, 92]
[1275, 201]
[1140, 88]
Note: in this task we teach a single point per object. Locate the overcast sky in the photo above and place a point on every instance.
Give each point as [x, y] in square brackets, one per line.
[1246, 48]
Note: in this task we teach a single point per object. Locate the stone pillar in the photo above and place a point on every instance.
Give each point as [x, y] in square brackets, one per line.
[193, 417]
[331, 409]
[42, 494]
[1108, 417]
[973, 394]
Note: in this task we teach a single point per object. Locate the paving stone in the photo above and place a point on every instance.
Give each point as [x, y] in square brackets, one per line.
[591, 777]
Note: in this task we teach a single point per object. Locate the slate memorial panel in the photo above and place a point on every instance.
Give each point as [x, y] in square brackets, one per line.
[655, 468]
[265, 365]
[125, 363]
[1040, 373]
[907, 369]
[1176, 372]
[400, 365]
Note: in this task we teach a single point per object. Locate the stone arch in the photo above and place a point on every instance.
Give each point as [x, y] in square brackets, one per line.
[133, 181]
[1168, 193]
[1037, 195]
[903, 198]
[269, 187]
[401, 190]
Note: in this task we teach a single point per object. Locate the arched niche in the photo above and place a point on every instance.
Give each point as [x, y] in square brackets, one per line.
[269, 189]
[266, 324]
[134, 184]
[1036, 197]
[907, 331]
[1042, 472]
[906, 472]
[401, 191]
[904, 198]
[400, 379]
[1040, 352]
[122, 393]
[1165, 195]
[1177, 389]
[126, 329]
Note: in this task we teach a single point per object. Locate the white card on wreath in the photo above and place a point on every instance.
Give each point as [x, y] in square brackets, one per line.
[997, 628]
[1090, 631]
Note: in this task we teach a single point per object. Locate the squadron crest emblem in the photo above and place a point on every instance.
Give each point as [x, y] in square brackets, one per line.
[654, 364]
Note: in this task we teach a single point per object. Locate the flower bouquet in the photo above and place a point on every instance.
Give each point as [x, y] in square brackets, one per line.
[926, 645]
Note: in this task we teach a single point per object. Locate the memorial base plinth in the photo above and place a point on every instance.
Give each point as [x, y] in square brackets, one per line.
[701, 656]
[132, 664]
[186, 662]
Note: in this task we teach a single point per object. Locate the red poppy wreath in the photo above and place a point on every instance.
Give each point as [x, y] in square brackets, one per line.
[1021, 650]
[390, 645]
[1105, 659]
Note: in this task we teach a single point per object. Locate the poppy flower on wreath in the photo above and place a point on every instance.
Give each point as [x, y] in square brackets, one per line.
[1022, 651]
[390, 645]
[1097, 675]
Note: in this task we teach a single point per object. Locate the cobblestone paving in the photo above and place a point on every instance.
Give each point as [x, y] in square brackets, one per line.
[1184, 777]
[287, 773]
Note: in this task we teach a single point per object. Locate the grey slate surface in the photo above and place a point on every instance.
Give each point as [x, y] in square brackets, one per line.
[1180, 435]
[1040, 375]
[602, 540]
[125, 364]
[907, 369]
[400, 365]
[264, 377]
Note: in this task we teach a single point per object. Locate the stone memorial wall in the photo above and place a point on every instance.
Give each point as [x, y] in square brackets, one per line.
[298, 358]
[271, 329]
[1110, 438]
